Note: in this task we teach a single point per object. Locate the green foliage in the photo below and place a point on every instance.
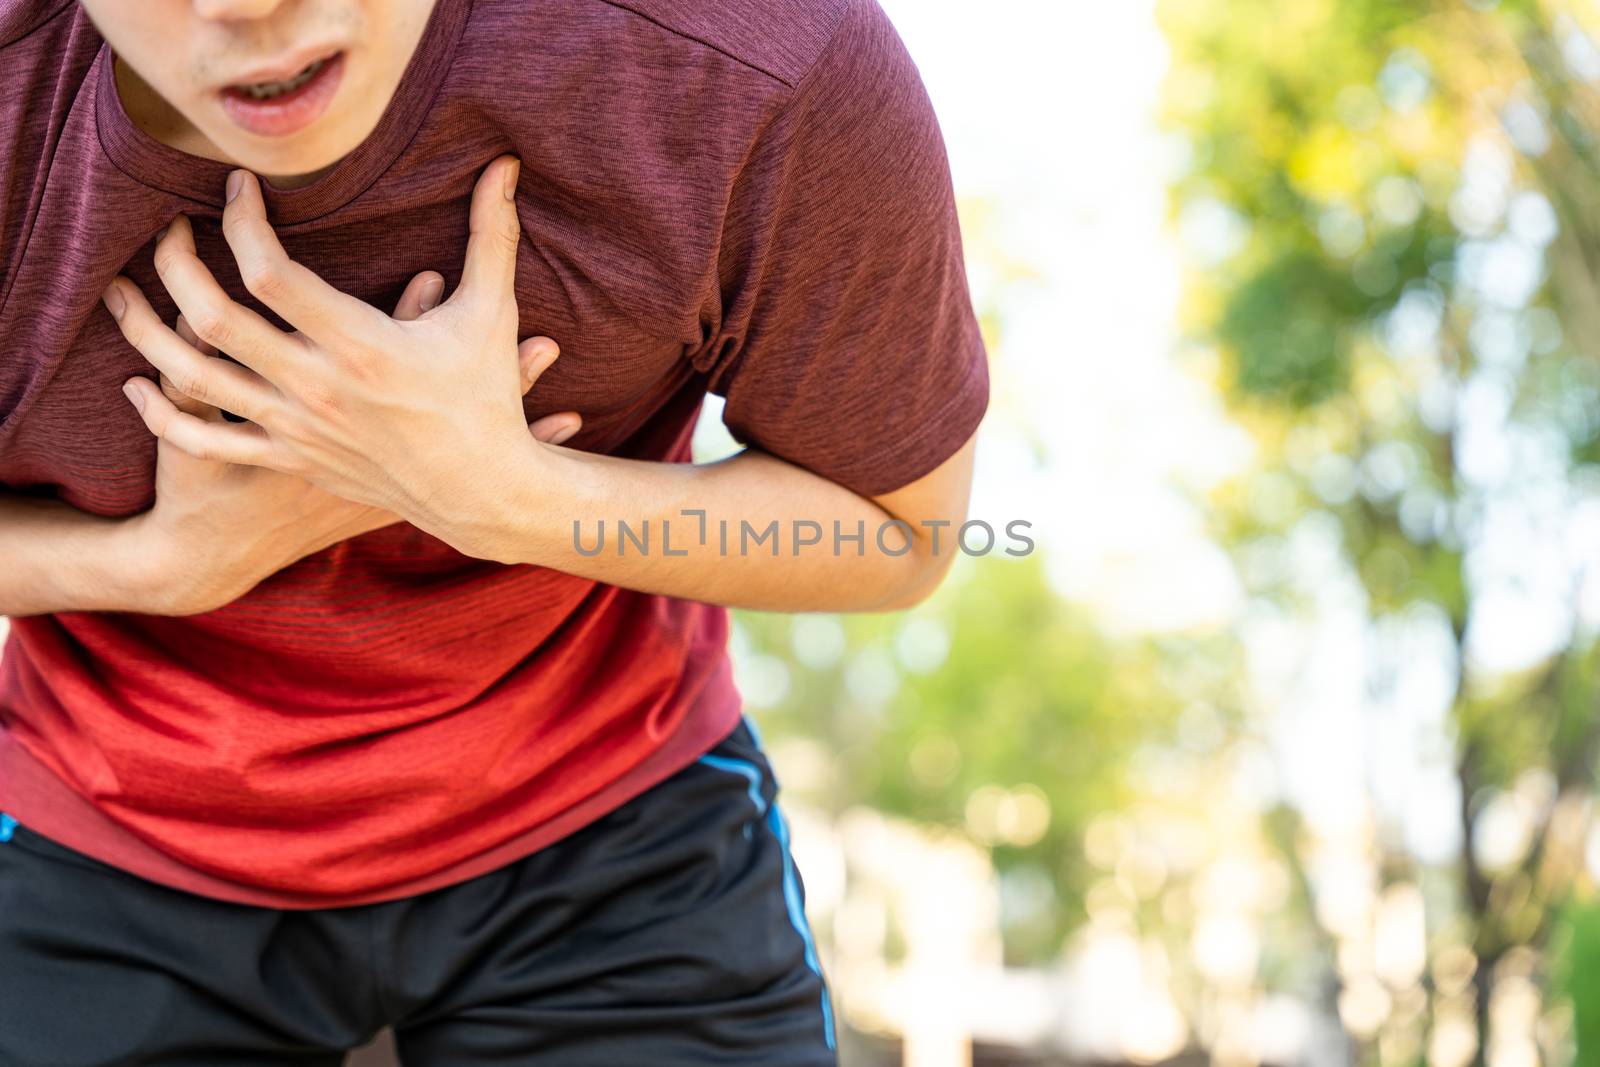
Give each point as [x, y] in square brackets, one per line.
[1576, 974]
[1287, 327]
[1389, 167]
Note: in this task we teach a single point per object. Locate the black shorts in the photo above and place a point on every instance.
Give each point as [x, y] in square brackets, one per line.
[671, 931]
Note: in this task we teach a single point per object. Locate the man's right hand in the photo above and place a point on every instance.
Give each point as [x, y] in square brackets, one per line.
[218, 529]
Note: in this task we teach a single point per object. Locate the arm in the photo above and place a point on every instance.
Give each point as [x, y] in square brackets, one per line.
[800, 566]
[841, 334]
[61, 559]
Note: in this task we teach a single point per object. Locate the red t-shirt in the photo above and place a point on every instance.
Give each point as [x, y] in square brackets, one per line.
[749, 197]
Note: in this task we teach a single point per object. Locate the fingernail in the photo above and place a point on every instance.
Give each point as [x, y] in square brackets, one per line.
[512, 173]
[564, 433]
[235, 183]
[133, 396]
[114, 301]
[428, 299]
[548, 349]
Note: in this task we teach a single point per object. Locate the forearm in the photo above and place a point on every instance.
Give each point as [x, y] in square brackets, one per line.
[57, 558]
[750, 531]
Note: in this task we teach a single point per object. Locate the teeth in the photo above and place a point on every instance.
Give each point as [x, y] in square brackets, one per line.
[268, 90]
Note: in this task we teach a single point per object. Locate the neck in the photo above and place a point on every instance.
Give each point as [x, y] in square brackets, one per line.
[151, 113]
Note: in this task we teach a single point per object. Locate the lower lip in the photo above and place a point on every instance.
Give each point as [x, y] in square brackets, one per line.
[288, 112]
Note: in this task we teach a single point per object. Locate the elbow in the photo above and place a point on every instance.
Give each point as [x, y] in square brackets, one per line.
[918, 581]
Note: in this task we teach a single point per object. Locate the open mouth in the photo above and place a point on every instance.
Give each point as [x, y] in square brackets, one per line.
[268, 90]
[277, 108]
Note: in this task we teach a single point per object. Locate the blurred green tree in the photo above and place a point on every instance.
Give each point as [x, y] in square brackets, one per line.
[1395, 209]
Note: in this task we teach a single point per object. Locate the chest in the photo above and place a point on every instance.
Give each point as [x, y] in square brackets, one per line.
[625, 323]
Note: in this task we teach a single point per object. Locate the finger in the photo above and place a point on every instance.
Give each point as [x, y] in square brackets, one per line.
[224, 442]
[186, 403]
[534, 357]
[554, 429]
[188, 335]
[182, 400]
[491, 263]
[215, 318]
[186, 332]
[421, 296]
[208, 379]
[291, 289]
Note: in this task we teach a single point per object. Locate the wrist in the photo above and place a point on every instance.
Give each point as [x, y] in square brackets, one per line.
[152, 576]
[519, 518]
[126, 571]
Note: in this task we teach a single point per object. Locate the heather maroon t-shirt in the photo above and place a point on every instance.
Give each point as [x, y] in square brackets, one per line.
[749, 197]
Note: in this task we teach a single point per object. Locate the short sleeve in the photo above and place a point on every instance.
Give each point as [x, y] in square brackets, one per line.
[847, 342]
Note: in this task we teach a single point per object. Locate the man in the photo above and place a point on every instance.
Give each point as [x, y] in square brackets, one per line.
[320, 710]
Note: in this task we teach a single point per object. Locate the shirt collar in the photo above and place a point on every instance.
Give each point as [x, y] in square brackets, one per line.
[152, 163]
